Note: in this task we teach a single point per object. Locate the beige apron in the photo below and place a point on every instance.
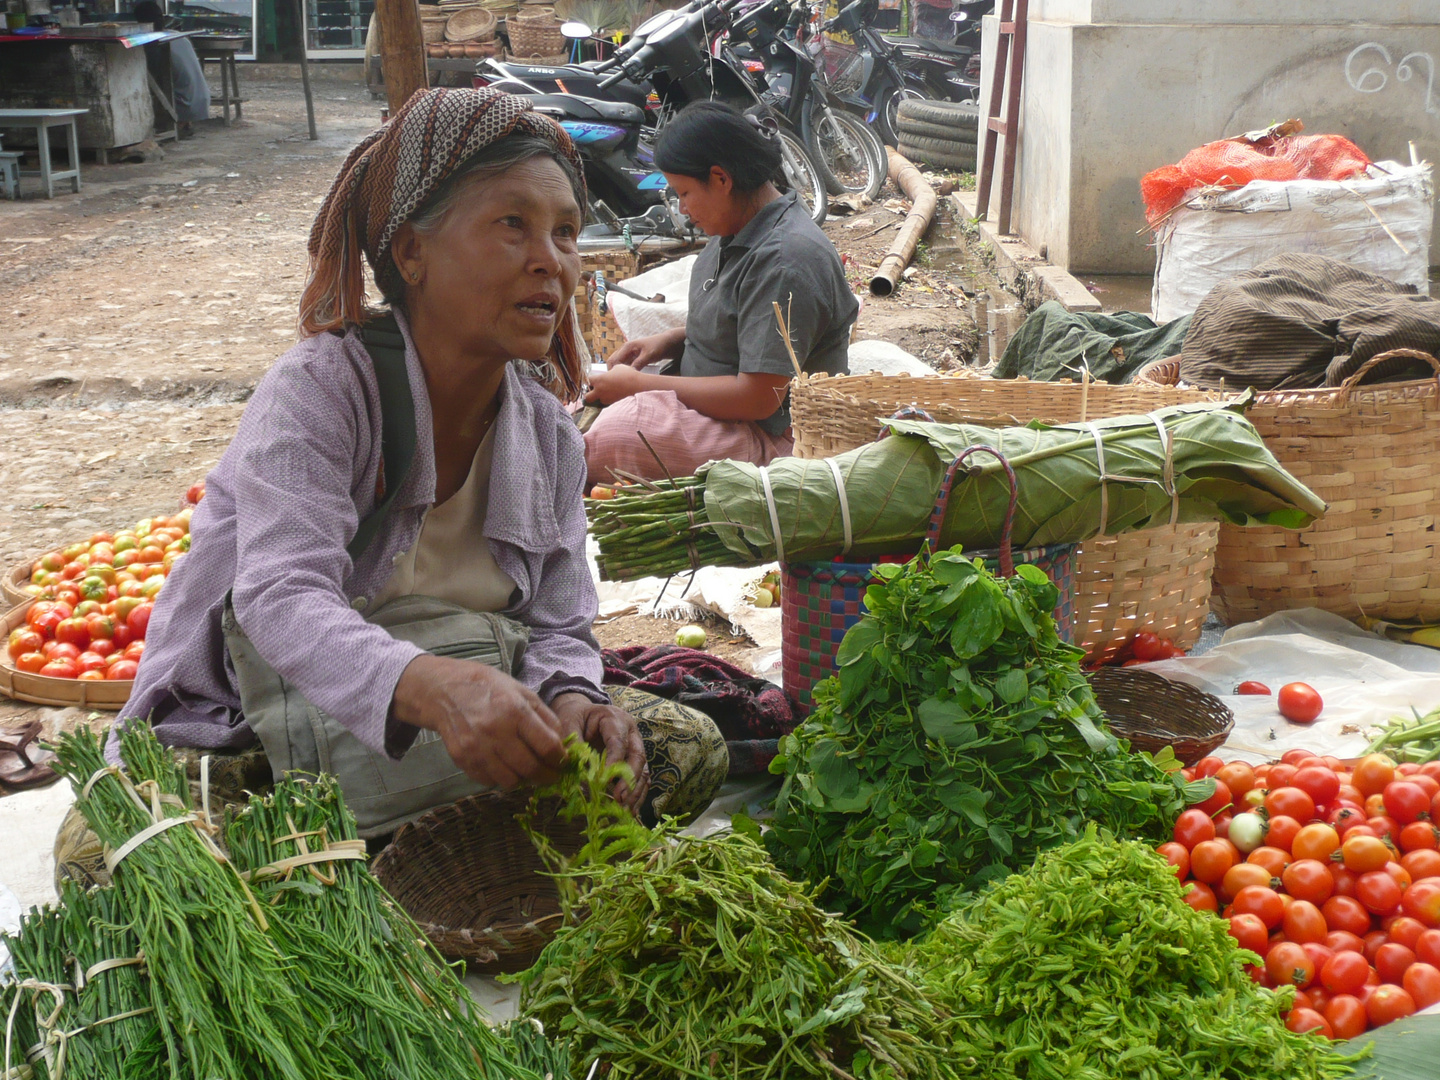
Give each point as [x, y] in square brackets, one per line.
[382, 793]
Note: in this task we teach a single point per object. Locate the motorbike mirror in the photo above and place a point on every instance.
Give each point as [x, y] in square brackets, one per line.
[958, 16]
[575, 30]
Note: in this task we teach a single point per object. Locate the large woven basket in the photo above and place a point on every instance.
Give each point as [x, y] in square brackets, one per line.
[432, 28]
[471, 24]
[617, 265]
[470, 877]
[1155, 579]
[1153, 713]
[1372, 452]
[535, 33]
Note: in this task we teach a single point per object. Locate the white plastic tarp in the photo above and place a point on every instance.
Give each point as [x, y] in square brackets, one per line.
[1380, 223]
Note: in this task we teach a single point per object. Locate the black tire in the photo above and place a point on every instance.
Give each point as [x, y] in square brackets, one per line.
[859, 165]
[950, 114]
[956, 162]
[887, 110]
[802, 175]
[910, 129]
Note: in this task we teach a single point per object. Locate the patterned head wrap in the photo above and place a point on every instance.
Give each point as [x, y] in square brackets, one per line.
[388, 177]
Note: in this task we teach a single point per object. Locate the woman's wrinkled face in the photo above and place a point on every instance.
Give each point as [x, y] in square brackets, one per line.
[498, 272]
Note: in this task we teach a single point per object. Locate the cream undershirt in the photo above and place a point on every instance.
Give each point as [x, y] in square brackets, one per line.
[451, 559]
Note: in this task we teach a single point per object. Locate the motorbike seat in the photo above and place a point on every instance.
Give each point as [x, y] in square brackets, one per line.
[548, 71]
[575, 107]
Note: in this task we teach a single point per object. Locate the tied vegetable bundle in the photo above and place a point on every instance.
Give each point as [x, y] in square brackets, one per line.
[697, 958]
[1075, 481]
[958, 739]
[1091, 966]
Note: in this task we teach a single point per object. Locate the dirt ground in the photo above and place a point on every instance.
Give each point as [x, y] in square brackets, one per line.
[137, 316]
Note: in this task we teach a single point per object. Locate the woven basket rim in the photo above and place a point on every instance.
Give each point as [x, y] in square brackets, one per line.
[1165, 373]
[470, 25]
[1169, 698]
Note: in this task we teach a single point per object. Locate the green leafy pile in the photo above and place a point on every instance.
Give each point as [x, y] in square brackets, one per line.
[697, 958]
[959, 739]
[1091, 966]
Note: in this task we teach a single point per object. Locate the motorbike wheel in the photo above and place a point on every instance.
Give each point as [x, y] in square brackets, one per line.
[802, 175]
[850, 156]
[887, 110]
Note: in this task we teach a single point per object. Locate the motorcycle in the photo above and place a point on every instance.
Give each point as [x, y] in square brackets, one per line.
[850, 156]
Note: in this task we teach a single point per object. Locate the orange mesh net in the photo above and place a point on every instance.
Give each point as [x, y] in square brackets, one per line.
[1233, 163]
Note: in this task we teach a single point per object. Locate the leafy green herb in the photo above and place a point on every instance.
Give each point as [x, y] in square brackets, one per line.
[958, 740]
[1091, 966]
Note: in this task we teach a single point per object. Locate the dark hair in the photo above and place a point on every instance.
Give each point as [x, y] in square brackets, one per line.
[710, 133]
[148, 11]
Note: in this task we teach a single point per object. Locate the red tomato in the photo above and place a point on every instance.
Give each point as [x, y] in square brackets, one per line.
[1302, 1020]
[1200, 896]
[1431, 769]
[196, 493]
[102, 646]
[1388, 1004]
[1280, 775]
[1193, 827]
[1262, 902]
[1273, 859]
[1299, 703]
[1303, 923]
[1421, 863]
[30, 662]
[1316, 841]
[1422, 901]
[89, 661]
[1207, 767]
[24, 639]
[1373, 940]
[61, 669]
[1344, 973]
[1399, 873]
[1430, 785]
[1344, 941]
[1379, 892]
[1318, 954]
[1282, 832]
[100, 626]
[1290, 802]
[1317, 781]
[73, 632]
[1216, 802]
[1210, 859]
[1422, 982]
[1178, 856]
[134, 651]
[1419, 835]
[1241, 876]
[1238, 776]
[1385, 828]
[1427, 948]
[1372, 774]
[1222, 826]
[1343, 815]
[1146, 647]
[1295, 756]
[94, 675]
[122, 670]
[123, 636]
[1346, 1016]
[1391, 960]
[1406, 931]
[139, 619]
[1405, 802]
[1309, 880]
[1346, 913]
[46, 623]
[1250, 932]
[1250, 686]
[55, 650]
[1289, 965]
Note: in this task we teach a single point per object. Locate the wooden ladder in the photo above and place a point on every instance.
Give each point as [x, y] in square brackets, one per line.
[1009, 60]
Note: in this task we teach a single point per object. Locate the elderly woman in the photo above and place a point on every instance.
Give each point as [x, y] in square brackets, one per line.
[387, 580]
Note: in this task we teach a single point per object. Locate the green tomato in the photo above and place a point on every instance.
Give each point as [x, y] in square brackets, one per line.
[151, 586]
[690, 637]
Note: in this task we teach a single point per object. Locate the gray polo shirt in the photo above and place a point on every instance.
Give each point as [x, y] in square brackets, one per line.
[779, 256]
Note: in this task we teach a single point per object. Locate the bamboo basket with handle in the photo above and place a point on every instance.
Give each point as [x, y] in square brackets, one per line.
[1371, 452]
[617, 265]
[1154, 579]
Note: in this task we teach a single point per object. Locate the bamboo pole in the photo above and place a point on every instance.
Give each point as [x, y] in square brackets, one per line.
[402, 50]
[922, 198]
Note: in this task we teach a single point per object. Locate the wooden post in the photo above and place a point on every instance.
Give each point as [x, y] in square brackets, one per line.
[304, 68]
[402, 50]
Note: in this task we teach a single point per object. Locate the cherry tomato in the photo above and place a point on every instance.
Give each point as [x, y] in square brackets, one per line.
[1146, 647]
[1379, 892]
[122, 670]
[1240, 876]
[1290, 802]
[1178, 856]
[1299, 703]
[31, 662]
[139, 619]
[1309, 880]
[1362, 854]
[1405, 802]
[1295, 756]
[1404, 930]
[1422, 983]
[1289, 965]
[1388, 1004]
[1250, 686]
[1344, 941]
[1273, 859]
[1317, 781]
[1343, 815]
[1372, 774]
[1217, 801]
[1200, 896]
[1315, 841]
[1304, 924]
[1346, 913]
[1346, 1016]
[1207, 767]
[1250, 933]
[1427, 948]
[1399, 873]
[1210, 859]
[61, 669]
[1419, 835]
[1282, 832]
[1344, 973]
[1238, 776]
[1427, 783]
[1280, 775]
[1422, 901]
[1391, 960]
[1263, 902]
[1422, 863]
[1303, 1020]
[1193, 827]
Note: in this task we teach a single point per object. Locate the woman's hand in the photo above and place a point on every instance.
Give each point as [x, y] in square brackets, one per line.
[613, 732]
[494, 728]
[608, 387]
[644, 351]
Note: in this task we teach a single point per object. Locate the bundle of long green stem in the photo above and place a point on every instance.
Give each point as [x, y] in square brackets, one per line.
[657, 529]
[396, 1010]
[1415, 738]
[223, 994]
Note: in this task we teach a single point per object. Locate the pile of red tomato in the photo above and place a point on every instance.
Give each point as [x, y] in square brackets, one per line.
[1330, 873]
[93, 600]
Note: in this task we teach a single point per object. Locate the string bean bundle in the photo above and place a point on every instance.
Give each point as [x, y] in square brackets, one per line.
[397, 1011]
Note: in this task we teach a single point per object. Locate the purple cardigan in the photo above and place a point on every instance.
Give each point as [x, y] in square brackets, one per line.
[278, 512]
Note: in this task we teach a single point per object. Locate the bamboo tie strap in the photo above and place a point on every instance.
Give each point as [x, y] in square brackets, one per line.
[844, 504]
[337, 851]
[1167, 481]
[774, 517]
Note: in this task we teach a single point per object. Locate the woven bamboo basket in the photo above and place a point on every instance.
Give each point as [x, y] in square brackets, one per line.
[45, 690]
[1372, 452]
[12, 585]
[432, 28]
[1152, 713]
[535, 33]
[473, 881]
[471, 24]
[617, 264]
[1155, 579]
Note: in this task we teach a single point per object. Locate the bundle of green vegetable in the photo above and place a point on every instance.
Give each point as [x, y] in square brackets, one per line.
[696, 958]
[1091, 966]
[1186, 463]
[1416, 738]
[959, 738]
[393, 1007]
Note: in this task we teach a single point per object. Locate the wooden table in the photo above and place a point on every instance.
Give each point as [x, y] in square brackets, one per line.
[221, 48]
[42, 120]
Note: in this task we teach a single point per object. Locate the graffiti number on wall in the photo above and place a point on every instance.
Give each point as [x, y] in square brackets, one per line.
[1373, 79]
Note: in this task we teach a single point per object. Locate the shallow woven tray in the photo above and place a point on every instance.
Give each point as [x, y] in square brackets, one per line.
[45, 690]
[471, 24]
[472, 880]
[12, 585]
[1152, 713]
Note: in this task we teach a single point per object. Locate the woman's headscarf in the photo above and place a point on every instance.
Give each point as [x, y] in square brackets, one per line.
[388, 177]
